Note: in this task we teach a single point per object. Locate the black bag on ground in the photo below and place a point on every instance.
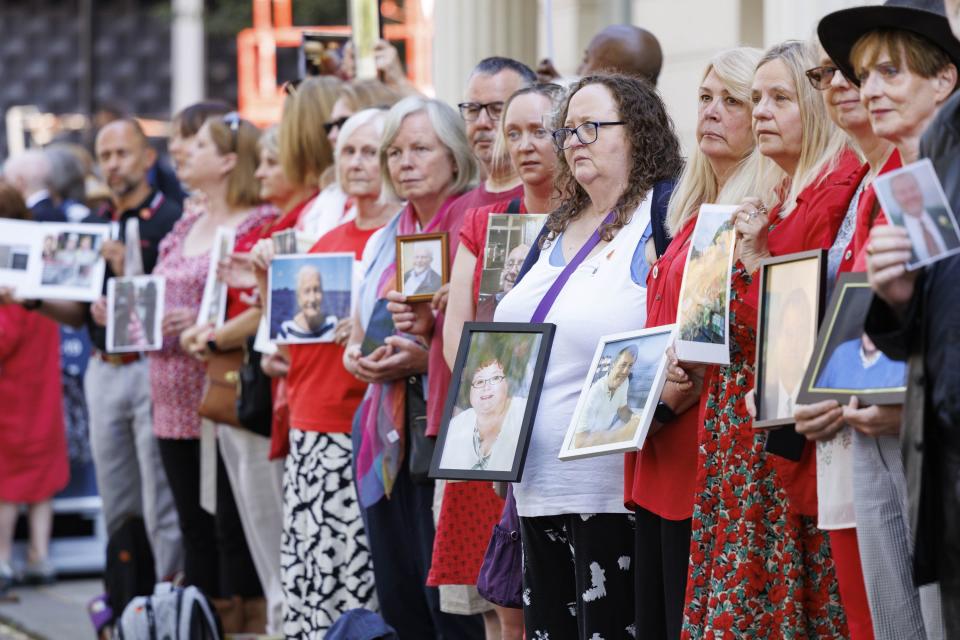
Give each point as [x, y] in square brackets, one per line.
[130, 571]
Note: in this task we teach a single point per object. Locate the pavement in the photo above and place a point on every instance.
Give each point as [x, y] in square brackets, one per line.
[53, 612]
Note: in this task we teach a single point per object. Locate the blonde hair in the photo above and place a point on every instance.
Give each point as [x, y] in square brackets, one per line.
[448, 126]
[698, 183]
[270, 141]
[305, 152]
[369, 94]
[238, 137]
[822, 142]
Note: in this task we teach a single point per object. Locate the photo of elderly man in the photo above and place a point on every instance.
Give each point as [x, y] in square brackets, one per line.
[309, 324]
[910, 202]
[606, 417]
[422, 278]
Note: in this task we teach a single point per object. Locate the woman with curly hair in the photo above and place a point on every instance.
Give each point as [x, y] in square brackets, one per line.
[616, 144]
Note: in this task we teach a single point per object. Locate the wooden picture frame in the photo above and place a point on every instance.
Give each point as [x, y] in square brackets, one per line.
[429, 284]
[842, 326]
[808, 305]
[513, 358]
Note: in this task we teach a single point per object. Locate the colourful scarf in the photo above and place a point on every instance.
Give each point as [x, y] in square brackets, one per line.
[380, 417]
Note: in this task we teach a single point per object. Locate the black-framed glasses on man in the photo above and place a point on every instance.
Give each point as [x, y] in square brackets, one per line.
[470, 111]
[821, 77]
[335, 124]
[586, 133]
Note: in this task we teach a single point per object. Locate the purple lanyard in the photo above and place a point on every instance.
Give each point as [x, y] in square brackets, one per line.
[551, 295]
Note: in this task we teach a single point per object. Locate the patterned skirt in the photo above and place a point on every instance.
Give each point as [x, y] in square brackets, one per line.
[325, 559]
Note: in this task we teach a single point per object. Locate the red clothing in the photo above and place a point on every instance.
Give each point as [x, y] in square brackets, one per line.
[661, 477]
[473, 235]
[813, 224]
[869, 215]
[321, 395]
[255, 227]
[33, 443]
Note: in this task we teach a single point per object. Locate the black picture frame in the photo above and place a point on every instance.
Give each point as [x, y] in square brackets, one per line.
[441, 238]
[764, 335]
[531, 382]
[845, 315]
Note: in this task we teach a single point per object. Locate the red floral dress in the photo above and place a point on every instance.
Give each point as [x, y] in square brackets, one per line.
[758, 567]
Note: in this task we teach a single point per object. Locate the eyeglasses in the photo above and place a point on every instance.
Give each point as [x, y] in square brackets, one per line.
[821, 77]
[586, 133]
[233, 120]
[491, 381]
[470, 111]
[335, 124]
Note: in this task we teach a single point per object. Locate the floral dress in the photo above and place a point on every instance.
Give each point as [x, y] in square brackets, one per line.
[758, 568]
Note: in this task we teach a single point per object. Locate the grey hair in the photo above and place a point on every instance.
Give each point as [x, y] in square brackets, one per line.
[270, 141]
[374, 117]
[448, 126]
[495, 64]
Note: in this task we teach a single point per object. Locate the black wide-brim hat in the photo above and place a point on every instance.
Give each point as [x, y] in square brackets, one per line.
[840, 30]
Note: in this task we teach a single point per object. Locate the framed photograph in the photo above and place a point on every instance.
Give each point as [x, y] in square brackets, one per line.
[19, 254]
[132, 254]
[71, 265]
[135, 314]
[845, 362]
[308, 295]
[422, 265]
[913, 198]
[703, 316]
[509, 238]
[790, 308]
[213, 305]
[492, 401]
[620, 394]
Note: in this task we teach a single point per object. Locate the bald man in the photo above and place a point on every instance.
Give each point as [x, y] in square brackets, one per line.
[29, 173]
[309, 324]
[623, 48]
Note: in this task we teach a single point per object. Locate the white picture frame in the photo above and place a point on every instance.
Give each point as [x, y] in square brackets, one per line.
[337, 273]
[144, 311]
[213, 305]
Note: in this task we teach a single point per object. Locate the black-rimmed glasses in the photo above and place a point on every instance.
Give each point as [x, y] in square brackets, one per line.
[335, 124]
[821, 77]
[586, 133]
[470, 111]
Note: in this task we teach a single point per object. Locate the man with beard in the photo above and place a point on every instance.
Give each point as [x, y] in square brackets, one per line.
[309, 324]
[508, 276]
[606, 417]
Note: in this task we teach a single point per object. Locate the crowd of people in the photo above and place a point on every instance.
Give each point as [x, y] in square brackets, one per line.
[321, 504]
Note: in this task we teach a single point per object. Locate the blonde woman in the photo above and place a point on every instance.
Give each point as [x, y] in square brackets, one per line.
[659, 484]
[758, 563]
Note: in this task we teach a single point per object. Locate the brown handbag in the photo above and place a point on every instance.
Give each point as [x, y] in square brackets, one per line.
[222, 387]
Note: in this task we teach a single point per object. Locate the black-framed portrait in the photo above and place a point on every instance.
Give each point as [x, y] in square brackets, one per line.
[422, 265]
[790, 308]
[492, 401]
[845, 361]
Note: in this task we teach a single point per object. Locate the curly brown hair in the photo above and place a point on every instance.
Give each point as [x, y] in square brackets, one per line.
[656, 152]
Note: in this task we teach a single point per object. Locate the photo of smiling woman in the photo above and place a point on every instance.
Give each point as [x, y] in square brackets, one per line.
[483, 436]
[309, 295]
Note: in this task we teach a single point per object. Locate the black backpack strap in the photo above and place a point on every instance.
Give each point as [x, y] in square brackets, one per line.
[514, 206]
[658, 214]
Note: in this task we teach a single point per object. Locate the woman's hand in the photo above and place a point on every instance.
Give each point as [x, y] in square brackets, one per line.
[888, 251]
[874, 421]
[414, 318]
[439, 301]
[194, 341]
[341, 333]
[819, 421]
[176, 321]
[262, 255]
[275, 365]
[237, 271]
[398, 358]
[351, 354]
[751, 221]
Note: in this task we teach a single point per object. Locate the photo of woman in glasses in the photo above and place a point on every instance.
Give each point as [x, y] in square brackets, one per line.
[484, 435]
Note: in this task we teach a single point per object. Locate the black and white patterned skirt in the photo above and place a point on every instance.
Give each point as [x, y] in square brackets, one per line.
[325, 559]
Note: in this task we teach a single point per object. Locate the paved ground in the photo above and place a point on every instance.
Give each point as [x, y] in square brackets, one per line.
[56, 612]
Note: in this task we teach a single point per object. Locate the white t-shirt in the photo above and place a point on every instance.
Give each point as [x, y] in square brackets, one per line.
[327, 211]
[600, 411]
[600, 298]
[459, 451]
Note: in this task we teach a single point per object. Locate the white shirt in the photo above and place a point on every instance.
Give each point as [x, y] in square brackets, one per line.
[35, 197]
[785, 401]
[327, 211]
[915, 229]
[600, 298]
[459, 451]
[600, 410]
[413, 281]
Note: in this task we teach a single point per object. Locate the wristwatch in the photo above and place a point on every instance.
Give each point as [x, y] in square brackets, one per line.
[212, 346]
[663, 413]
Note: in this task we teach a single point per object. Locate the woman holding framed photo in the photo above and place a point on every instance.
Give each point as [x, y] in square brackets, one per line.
[617, 144]
[425, 159]
[660, 479]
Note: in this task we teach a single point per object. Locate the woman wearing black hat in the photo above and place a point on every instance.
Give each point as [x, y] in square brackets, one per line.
[905, 60]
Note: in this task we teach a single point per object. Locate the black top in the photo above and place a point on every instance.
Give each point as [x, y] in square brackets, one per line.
[157, 215]
[47, 211]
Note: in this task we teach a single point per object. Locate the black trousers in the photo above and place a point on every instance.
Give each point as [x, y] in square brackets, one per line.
[400, 532]
[578, 576]
[216, 557]
[662, 553]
